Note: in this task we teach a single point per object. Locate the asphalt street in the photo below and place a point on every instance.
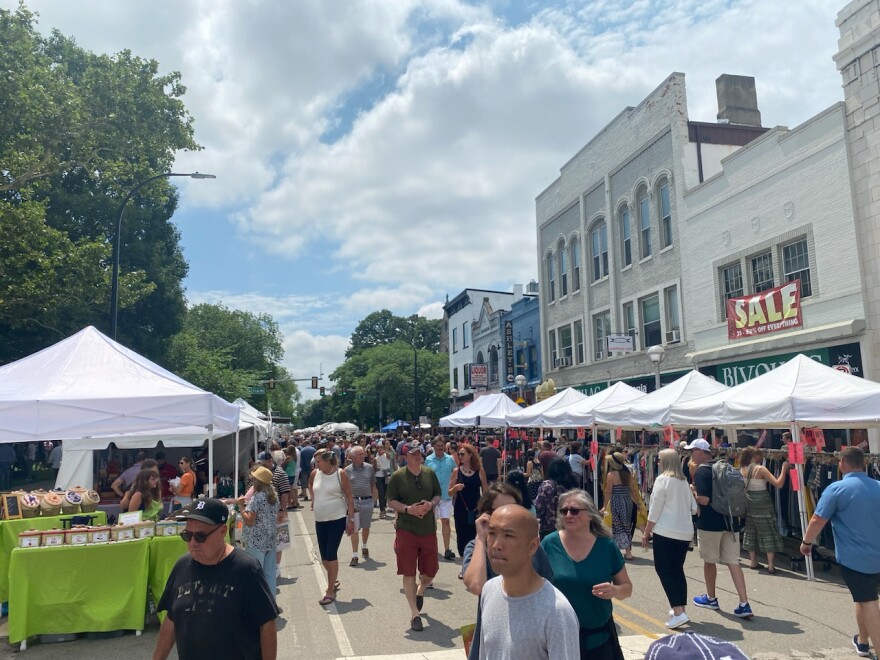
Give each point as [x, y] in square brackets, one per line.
[794, 618]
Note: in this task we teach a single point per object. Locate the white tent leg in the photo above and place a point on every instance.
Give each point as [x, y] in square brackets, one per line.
[595, 469]
[235, 474]
[211, 491]
[802, 504]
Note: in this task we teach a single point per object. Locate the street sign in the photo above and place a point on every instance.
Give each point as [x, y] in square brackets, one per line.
[257, 389]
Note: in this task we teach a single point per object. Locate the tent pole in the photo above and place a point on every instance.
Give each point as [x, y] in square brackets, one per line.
[802, 504]
[210, 460]
[595, 468]
[235, 474]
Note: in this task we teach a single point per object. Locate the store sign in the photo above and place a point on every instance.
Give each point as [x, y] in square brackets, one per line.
[479, 375]
[846, 357]
[508, 350]
[592, 388]
[620, 344]
[769, 311]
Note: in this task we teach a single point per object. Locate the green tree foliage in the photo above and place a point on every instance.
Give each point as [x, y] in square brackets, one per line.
[77, 131]
[383, 327]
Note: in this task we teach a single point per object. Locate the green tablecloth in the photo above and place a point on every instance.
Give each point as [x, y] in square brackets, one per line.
[164, 553]
[73, 589]
[9, 530]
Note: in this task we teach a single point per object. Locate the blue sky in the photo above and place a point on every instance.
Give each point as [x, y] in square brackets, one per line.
[385, 153]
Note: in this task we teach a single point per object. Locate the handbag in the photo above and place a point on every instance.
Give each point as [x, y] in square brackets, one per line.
[607, 519]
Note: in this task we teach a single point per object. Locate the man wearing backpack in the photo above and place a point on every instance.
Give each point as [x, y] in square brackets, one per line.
[718, 533]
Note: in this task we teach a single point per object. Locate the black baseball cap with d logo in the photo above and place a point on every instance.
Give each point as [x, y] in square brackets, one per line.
[207, 510]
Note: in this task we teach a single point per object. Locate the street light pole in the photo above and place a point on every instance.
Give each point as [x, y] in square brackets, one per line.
[656, 354]
[114, 283]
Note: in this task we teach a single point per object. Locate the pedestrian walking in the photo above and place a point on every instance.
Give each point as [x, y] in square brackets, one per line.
[443, 466]
[259, 516]
[382, 465]
[852, 506]
[760, 533]
[362, 478]
[466, 484]
[620, 499]
[282, 488]
[559, 480]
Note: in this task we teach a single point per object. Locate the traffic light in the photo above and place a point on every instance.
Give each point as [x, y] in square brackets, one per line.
[321, 391]
[314, 382]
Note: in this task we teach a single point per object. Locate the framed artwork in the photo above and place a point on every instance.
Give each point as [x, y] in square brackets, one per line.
[11, 507]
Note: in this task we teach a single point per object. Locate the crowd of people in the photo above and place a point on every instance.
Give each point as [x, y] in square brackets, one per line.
[544, 559]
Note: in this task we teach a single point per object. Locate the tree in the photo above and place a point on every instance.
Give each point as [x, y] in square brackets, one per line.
[383, 327]
[77, 131]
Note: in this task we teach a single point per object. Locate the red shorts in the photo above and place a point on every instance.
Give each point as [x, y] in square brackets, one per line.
[415, 551]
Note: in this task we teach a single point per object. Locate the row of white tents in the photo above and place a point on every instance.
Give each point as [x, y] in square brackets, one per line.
[89, 391]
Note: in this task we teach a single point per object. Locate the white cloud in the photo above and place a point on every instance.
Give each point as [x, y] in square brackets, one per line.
[307, 355]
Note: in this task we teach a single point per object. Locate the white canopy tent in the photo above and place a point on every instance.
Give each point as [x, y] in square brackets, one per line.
[653, 409]
[581, 413]
[88, 385]
[534, 414]
[489, 411]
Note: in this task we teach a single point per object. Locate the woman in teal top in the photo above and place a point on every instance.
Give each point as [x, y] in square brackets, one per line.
[589, 569]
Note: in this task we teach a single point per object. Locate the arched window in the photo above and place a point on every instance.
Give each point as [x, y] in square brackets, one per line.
[626, 255]
[480, 359]
[493, 364]
[644, 222]
[551, 277]
[665, 213]
[599, 251]
[563, 270]
[576, 263]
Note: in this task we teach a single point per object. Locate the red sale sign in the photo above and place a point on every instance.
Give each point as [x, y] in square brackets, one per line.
[769, 311]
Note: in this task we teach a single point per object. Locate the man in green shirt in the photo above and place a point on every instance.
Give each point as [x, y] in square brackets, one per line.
[414, 491]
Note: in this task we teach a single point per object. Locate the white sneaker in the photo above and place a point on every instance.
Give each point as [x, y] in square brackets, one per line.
[277, 571]
[677, 621]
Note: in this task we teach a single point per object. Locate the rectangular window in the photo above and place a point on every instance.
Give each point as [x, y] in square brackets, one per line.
[520, 365]
[579, 340]
[455, 378]
[563, 272]
[629, 322]
[670, 300]
[731, 284]
[645, 224]
[554, 354]
[762, 272]
[651, 327]
[455, 340]
[600, 252]
[551, 278]
[467, 376]
[565, 344]
[626, 239]
[464, 335]
[576, 265]
[796, 266]
[601, 330]
[665, 217]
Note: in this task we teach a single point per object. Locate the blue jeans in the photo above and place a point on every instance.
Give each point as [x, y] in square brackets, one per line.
[266, 559]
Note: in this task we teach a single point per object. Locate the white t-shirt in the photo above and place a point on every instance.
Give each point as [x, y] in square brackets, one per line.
[672, 505]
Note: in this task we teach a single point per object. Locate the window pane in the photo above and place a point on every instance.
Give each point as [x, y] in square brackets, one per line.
[665, 216]
[762, 272]
[671, 304]
[576, 264]
[645, 224]
[563, 270]
[650, 308]
[554, 355]
[467, 376]
[629, 320]
[565, 345]
[579, 340]
[796, 266]
[601, 330]
[454, 340]
[455, 378]
[626, 248]
[551, 274]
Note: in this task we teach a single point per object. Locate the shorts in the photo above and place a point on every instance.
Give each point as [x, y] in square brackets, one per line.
[304, 479]
[416, 552]
[443, 510]
[329, 534]
[718, 547]
[363, 513]
[862, 586]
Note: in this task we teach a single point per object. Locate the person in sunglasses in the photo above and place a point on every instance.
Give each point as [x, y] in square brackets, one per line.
[217, 601]
[413, 492]
[589, 569]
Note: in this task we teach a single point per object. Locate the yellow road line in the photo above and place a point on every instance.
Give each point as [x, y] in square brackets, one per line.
[633, 626]
[640, 614]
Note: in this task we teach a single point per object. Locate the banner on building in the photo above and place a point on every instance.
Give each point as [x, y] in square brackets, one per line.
[508, 350]
[769, 311]
[479, 375]
[620, 344]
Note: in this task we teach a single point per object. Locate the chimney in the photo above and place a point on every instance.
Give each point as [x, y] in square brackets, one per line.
[737, 100]
[532, 287]
[517, 292]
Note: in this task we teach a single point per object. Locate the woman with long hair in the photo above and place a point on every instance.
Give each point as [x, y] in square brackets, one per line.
[517, 479]
[466, 484]
[183, 492]
[333, 505]
[145, 495]
[260, 517]
[589, 571]
[559, 480]
[760, 533]
[619, 500]
[670, 523]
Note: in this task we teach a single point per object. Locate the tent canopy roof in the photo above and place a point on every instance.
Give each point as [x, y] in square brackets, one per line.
[581, 413]
[492, 409]
[534, 414]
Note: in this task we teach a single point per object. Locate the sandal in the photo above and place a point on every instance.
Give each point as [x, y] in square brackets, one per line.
[772, 571]
[336, 586]
[326, 600]
[756, 567]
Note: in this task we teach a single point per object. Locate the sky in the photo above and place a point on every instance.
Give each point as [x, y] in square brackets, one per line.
[379, 154]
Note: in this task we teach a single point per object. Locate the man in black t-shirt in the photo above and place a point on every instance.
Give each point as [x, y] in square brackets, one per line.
[718, 535]
[216, 599]
[491, 459]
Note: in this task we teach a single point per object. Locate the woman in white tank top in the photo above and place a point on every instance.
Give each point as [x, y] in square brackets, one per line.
[330, 494]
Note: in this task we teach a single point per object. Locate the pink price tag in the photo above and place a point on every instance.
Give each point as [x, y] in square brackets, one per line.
[594, 447]
[795, 481]
[796, 453]
[581, 433]
[619, 433]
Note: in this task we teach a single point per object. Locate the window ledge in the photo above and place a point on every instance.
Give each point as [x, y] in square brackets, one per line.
[599, 281]
[668, 248]
[626, 268]
[646, 259]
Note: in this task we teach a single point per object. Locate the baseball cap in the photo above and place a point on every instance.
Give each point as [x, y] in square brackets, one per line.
[699, 443]
[413, 447]
[208, 510]
[264, 456]
[691, 646]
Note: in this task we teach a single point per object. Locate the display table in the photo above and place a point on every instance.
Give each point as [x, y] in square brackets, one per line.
[75, 589]
[9, 530]
[164, 553]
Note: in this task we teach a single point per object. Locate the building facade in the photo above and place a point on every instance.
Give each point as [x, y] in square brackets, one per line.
[521, 344]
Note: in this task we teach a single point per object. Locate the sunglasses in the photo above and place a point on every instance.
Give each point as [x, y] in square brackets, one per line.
[418, 479]
[200, 537]
[566, 511]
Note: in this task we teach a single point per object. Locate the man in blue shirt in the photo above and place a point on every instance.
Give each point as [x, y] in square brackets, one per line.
[853, 507]
[443, 464]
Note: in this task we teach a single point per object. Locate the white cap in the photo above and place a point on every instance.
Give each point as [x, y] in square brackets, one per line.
[699, 443]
